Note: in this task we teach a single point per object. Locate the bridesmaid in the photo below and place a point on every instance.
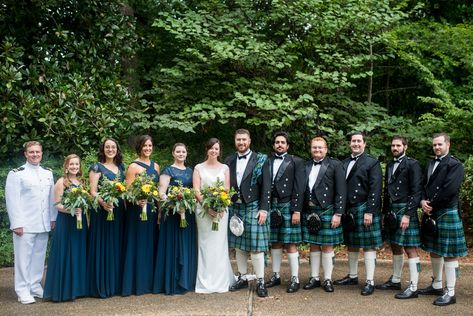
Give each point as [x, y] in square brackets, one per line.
[66, 275]
[140, 236]
[176, 261]
[105, 256]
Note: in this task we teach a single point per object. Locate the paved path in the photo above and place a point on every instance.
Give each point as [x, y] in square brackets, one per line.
[344, 301]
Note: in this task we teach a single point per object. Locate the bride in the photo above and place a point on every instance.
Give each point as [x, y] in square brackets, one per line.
[214, 272]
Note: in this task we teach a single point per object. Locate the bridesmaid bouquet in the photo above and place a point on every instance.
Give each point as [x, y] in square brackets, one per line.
[78, 198]
[111, 191]
[179, 199]
[143, 188]
[216, 198]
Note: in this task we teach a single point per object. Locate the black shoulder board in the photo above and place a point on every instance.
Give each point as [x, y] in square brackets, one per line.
[18, 169]
[46, 168]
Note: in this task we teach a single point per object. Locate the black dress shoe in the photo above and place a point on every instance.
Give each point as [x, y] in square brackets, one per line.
[293, 286]
[273, 281]
[445, 300]
[368, 289]
[328, 286]
[261, 291]
[347, 281]
[389, 285]
[430, 291]
[406, 294]
[312, 284]
[239, 284]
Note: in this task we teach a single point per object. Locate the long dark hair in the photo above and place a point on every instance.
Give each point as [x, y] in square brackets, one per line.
[141, 143]
[117, 160]
[210, 143]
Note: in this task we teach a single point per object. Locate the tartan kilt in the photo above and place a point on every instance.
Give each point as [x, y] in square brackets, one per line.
[450, 241]
[287, 233]
[363, 237]
[255, 238]
[327, 236]
[409, 237]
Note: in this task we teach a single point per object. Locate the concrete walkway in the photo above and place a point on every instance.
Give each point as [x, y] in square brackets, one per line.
[344, 301]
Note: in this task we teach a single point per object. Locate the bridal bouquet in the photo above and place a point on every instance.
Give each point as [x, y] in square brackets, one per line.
[179, 199]
[78, 198]
[216, 198]
[143, 188]
[111, 191]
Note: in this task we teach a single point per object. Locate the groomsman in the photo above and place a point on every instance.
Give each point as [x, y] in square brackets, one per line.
[325, 196]
[30, 206]
[364, 181]
[402, 195]
[246, 178]
[440, 200]
[285, 174]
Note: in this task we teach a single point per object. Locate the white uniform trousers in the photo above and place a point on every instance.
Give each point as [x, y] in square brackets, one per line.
[30, 252]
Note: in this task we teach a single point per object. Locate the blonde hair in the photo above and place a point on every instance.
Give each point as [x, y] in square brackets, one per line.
[67, 181]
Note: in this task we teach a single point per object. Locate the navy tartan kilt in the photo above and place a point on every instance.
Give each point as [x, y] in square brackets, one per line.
[255, 238]
[450, 241]
[327, 236]
[364, 237]
[287, 233]
[409, 237]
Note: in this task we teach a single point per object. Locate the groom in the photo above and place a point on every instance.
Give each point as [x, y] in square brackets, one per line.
[245, 177]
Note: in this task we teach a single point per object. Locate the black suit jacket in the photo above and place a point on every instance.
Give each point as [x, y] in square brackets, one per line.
[330, 186]
[364, 183]
[247, 192]
[443, 186]
[404, 186]
[288, 184]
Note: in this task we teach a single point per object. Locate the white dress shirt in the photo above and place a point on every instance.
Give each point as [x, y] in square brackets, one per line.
[241, 165]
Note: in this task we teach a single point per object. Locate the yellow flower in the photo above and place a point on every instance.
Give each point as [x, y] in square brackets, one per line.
[155, 193]
[221, 188]
[146, 188]
[224, 195]
[84, 191]
[215, 193]
[74, 190]
[187, 190]
[120, 187]
[175, 189]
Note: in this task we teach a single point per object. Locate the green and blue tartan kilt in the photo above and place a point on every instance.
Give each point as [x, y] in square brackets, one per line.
[364, 237]
[255, 237]
[409, 237]
[287, 233]
[327, 236]
[450, 241]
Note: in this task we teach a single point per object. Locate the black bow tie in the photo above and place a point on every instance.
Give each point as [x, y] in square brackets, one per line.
[397, 160]
[278, 157]
[317, 162]
[438, 159]
[354, 158]
[243, 156]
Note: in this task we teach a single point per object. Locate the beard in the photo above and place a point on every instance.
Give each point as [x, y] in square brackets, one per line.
[398, 154]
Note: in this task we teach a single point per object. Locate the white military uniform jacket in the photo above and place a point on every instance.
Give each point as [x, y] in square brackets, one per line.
[29, 193]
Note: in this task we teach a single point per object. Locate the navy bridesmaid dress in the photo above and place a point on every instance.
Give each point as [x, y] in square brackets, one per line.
[105, 255]
[66, 276]
[176, 260]
[140, 244]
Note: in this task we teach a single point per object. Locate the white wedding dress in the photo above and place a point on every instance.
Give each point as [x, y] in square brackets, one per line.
[214, 271]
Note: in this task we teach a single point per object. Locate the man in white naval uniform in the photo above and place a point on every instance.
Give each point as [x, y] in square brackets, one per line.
[30, 206]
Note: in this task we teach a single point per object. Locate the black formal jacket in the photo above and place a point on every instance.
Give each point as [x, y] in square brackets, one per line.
[248, 192]
[404, 186]
[443, 186]
[288, 184]
[330, 187]
[364, 183]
